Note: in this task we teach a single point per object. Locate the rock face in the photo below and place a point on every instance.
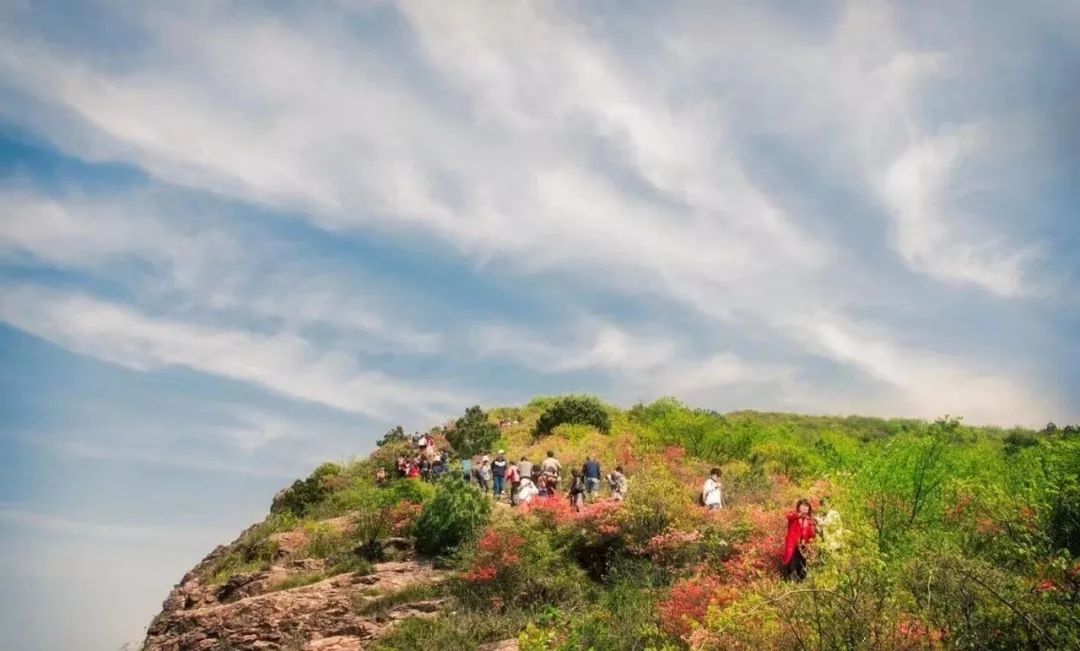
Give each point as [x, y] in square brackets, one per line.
[249, 611]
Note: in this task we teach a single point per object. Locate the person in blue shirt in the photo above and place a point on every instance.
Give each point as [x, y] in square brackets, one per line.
[591, 471]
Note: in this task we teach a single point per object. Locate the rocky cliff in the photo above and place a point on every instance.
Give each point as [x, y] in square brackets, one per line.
[296, 603]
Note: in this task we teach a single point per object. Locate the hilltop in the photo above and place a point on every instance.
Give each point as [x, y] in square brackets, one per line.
[944, 536]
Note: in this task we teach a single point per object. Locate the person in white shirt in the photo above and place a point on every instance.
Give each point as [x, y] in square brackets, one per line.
[711, 494]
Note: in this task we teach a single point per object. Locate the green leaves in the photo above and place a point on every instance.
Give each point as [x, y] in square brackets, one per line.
[473, 433]
[451, 518]
[579, 410]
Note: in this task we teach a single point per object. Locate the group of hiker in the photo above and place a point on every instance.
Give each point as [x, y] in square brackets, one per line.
[524, 481]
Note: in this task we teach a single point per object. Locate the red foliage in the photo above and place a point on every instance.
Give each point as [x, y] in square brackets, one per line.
[496, 552]
[688, 603]
[674, 454]
[916, 630]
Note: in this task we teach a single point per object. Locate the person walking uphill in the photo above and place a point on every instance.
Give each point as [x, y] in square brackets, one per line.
[618, 483]
[483, 474]
[800, 532]
[577, 490]
[711, 495]
[498, 474]
[591, 470]
[513, 477]
[551, 469]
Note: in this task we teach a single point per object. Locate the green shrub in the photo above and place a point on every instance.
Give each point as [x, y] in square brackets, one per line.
[473, 433]
[451, 518]
[394, 435]
[579, 410]
[303, 495]
[519, 563]
[252, 551]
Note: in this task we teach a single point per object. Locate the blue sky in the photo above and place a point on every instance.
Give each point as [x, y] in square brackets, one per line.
[238, 239]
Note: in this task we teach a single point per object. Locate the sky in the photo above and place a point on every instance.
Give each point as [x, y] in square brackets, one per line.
[238, 239]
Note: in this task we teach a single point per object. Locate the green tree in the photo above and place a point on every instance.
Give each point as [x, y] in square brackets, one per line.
[579, 410]
[451, 518]
[473, 433]
[393, 436]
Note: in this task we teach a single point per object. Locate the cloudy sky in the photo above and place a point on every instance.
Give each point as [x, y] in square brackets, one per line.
[241, 238]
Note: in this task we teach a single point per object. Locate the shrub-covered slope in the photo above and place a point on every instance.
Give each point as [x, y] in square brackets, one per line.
[942, 536]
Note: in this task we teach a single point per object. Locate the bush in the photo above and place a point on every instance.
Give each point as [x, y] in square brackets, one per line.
[473, 433]
[252, 551]
[299, 498]
[578, 410]
[451, 518]
[521, 563]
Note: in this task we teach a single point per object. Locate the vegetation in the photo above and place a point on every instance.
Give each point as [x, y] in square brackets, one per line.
[473, 433]
[306, 493]
[950, 536]
[451, 518]
[577, 410]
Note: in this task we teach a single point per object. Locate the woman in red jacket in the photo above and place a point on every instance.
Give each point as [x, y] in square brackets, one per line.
[800, 531]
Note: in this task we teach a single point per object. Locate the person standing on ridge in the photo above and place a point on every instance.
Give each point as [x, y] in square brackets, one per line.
[711, 494]
[591, 470]
[498, 474]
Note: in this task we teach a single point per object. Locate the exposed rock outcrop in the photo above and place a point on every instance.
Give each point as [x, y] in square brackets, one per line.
[250, 612]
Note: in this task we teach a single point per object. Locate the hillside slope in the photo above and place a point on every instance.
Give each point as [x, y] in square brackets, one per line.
[936, 535]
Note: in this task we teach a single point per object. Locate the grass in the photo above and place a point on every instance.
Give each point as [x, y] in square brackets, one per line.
[300, 580]
[386, 602]
[463, 630]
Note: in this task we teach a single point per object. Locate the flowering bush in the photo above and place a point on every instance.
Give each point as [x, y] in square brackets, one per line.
[496, 555]
[514, 564]
[688, 603]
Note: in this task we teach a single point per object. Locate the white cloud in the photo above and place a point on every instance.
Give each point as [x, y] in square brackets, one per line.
[924, 384]
[497, 156]
[212, 266]
[285, 362]
[915, 185]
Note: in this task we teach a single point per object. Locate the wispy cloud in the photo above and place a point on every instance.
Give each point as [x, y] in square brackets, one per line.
[285, 363]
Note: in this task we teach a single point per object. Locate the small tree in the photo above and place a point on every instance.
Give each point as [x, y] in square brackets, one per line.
[306, 493]
[394, 435]
[579, 410]
[451, 518]
[473, 433]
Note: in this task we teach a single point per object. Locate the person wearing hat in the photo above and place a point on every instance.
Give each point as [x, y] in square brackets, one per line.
[483, 473]
[498, 473]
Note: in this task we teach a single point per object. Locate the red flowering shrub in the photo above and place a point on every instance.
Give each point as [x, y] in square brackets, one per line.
[687, 605]
[673, 548]
[516, 563]
[496, 554]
